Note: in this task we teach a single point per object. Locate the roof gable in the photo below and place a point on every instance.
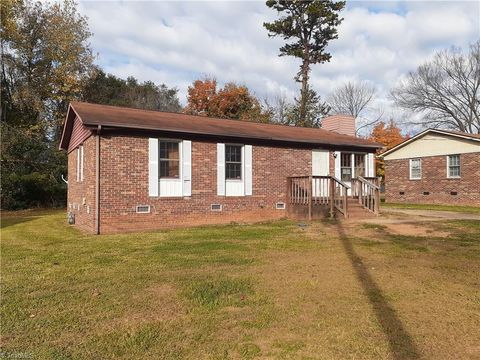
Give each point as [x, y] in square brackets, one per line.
[434, 142]
[93, 115]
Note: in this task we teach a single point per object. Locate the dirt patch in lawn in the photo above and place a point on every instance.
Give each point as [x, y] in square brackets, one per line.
[397, 224]
[409, 229]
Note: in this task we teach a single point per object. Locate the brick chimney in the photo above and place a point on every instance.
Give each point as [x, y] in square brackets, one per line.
[340, 123]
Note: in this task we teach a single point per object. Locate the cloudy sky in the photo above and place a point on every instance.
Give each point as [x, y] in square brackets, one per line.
[177, 42]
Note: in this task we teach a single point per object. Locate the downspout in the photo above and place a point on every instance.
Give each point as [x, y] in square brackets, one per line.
[97, 180]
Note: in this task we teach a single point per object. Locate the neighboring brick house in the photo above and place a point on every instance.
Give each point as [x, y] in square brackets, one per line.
[435, 166]
[131, 169]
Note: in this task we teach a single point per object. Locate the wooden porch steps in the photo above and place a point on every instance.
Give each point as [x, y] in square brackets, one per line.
[357, 211]
[313, 197]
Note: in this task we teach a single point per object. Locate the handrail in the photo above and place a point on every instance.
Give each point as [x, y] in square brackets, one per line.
[338, 196]
[367, 192]
[339, 181]
[365, 181]
[312, 191]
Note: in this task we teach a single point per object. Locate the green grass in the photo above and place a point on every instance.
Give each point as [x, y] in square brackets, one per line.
[465, 209]
[272, 290]
[217, 292]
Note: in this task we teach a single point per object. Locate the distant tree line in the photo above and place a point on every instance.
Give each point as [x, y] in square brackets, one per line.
[46, 63]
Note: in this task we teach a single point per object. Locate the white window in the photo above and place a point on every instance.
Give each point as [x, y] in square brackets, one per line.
[169, 158]
[234, 169]
[80, 163]
[415, 169]
[346, 167]
[359, 165]
[453, 166]
[233, 162]
[169, 169]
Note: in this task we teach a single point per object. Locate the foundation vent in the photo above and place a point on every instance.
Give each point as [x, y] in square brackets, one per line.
[143, 209]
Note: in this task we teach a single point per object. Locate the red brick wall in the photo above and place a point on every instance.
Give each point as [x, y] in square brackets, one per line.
[78, 191]
[434, 180]
[124, 184]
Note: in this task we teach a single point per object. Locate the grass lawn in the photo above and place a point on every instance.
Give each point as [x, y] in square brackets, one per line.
[466, 209]
[273, 290]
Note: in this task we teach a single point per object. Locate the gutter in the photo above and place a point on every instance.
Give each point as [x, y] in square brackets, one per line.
[97, 180]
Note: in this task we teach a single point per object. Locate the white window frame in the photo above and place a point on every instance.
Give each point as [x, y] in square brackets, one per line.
[174, 182]
[459, 167]
[242, 162]
[80, 163]
[353, 165]
[235, 187]
[180, 159]
[410, 168]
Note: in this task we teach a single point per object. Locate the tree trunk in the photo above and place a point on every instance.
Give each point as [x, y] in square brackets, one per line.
[304, 93]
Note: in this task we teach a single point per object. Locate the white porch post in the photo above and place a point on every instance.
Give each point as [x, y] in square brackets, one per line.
[353, 165]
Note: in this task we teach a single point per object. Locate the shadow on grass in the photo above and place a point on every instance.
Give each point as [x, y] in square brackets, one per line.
[401, 343]
[10, 221]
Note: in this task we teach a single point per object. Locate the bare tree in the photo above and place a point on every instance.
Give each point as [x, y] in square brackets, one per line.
[355, 98]
[278, 108]
[351, 98]
[365, 122]
[444, 91]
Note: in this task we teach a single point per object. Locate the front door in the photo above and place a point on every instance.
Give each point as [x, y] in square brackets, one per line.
[350, 165]
[320, 167]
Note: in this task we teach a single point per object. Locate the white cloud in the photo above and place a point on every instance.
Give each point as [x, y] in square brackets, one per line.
[178, 42]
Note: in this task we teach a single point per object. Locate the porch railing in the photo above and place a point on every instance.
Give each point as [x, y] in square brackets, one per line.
[318, 190]
[339, 196]
[367, 190]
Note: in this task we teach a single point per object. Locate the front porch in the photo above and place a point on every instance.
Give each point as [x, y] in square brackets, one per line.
[315, 197]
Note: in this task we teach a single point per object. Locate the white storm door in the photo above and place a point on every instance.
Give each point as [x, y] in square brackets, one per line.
[320, 167]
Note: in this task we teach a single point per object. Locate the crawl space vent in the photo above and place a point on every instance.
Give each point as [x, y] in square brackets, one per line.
[280, 206]
[143, 209]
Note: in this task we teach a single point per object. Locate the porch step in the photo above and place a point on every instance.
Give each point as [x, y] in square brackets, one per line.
[357, 211]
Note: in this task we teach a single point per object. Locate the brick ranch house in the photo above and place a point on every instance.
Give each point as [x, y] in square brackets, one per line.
[435, 166]
[133, 170]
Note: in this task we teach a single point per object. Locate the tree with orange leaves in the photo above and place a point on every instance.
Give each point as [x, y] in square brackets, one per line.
[200, 96]
[389, 135]
[232, 101]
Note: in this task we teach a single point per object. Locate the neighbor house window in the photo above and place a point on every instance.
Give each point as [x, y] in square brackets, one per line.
[169, 159]
[359, 165]
[415, 169]
[346, 167]
[233, 162]
[80, 163]
[453, 165]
